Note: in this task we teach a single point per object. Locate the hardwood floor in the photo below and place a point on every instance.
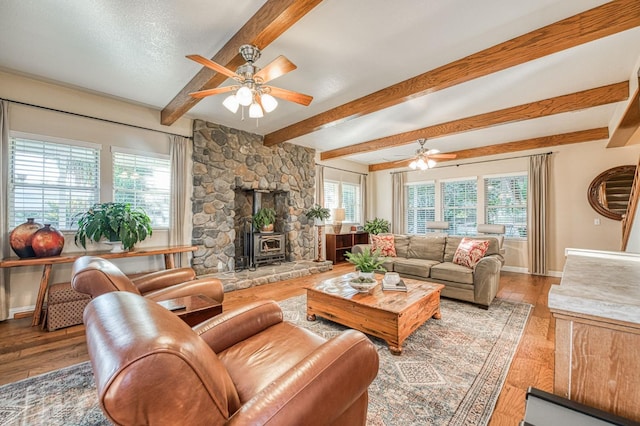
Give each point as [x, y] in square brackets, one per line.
[27, 351]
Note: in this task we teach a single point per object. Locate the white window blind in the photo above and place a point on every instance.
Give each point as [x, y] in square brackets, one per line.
[344, 195]
[506, 203]
[421, 207]
[143, 182]
[51, 182]
[459, 200]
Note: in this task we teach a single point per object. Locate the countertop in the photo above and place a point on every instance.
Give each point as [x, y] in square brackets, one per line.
[599, 283]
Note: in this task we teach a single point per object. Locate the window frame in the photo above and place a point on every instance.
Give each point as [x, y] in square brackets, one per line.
[416, 209]
[453, 225]
[522, 206]
[340, 195]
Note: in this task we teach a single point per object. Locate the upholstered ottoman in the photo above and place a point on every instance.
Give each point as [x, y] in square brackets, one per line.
[64, 306]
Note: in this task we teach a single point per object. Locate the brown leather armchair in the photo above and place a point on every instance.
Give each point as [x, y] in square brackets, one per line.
[95, 276]
[243, 367]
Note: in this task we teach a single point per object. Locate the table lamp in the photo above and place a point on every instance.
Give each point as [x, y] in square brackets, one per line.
[338, 217]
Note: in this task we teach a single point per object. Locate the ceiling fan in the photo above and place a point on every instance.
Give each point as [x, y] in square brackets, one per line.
[425, 158]
[251, 89]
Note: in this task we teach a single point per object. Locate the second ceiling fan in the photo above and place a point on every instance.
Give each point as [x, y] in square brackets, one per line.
[425, 158]
[251, 89]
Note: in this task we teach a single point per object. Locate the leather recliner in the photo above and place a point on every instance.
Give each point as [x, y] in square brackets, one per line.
[243, 367]
[95, 276]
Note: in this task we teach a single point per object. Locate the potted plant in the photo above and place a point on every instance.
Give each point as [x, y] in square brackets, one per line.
[115, 222]
[377, 226]
[264, 219]
[319, 214]
[366, 261]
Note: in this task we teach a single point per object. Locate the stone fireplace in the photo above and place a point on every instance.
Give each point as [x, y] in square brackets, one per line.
[230, 166]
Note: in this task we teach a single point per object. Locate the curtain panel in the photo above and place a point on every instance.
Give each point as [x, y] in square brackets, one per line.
[181, 189]
[538, 193]
[4, 241]
[398, 212]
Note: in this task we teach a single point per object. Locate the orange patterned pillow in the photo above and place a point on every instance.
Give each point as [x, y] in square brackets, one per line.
[384, 243]
[469, 252]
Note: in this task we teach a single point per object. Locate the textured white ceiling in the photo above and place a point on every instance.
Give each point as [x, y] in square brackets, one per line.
[344, 49]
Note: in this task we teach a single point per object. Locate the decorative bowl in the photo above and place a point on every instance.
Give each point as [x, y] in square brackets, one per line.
[363, 285]
[391, 278]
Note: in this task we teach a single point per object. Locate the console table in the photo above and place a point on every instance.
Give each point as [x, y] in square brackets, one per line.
[48, 262]
[597, 312]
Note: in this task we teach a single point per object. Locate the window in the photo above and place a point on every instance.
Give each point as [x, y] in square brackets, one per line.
[506, 203]
[459, 199]
[143, 181]
[421, 207]
[345, 195]
[51, 181]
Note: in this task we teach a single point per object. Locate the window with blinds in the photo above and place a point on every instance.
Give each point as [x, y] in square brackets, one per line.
[345, 195]
[459, 202]
[143, 181]
[421, 207]
[506, 203]
[51, 182]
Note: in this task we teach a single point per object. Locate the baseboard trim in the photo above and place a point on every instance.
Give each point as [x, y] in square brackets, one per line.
[521, 270]
[22, 312]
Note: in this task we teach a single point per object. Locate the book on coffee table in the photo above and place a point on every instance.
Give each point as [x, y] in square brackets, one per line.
[399, 286]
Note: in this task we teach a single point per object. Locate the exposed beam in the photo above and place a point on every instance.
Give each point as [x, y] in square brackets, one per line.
[505, 148]
[629, 124]
[610, 18]
[268, 23]
[616, 92]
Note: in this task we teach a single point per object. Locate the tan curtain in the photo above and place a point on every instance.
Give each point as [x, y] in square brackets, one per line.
[4, 231]
[364, 199]
[537, 201]
[397, 214]
[181, 190]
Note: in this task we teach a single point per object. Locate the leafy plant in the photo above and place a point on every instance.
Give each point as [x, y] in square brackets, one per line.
[377, 226]
[264, 217]
[366, 260]
[318, 212]
[114, 222]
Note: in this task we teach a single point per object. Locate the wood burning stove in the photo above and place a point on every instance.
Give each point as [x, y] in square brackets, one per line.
[268, 248]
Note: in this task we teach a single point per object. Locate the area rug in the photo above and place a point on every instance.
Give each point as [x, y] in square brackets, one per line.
[451, 372]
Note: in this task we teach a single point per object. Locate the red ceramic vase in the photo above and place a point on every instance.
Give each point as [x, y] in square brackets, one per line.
[47, 241]
[21, 236]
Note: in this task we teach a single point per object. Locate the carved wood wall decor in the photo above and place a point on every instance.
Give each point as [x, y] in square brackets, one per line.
[609, 192]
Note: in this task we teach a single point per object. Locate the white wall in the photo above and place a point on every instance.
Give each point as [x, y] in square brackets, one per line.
[571, 221]
[24, 281]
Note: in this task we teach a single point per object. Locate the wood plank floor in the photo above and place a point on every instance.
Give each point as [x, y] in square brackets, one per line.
[26, 351]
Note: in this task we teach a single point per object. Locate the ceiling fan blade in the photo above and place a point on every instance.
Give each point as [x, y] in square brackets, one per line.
[276, 68]
[290, 95]
[442, 156]
[212, 65]
[211, 92]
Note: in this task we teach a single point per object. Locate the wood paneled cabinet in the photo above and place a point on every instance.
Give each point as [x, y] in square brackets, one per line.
[339, 244]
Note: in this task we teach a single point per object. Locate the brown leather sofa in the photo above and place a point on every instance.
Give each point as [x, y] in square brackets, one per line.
[95, 276]
[243, 367]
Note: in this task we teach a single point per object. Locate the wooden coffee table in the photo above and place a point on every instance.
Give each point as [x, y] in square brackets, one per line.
[389, 315]
[193, 309]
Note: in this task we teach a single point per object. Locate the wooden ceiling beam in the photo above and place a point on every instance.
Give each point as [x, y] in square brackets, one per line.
[602, 21]
[505, 148]
[616, 92]
[629, 124]
[267, 24]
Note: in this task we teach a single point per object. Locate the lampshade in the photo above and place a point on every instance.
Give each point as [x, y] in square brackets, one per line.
[231, 103]
[338, 215]
[255, 111]
[244, 96]
[269, 103]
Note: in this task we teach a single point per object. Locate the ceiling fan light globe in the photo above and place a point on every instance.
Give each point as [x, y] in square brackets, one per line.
[255, 111]
[420, 163]
[431, 163]
[231, 103]
[269, 103]
[413, 165]
[244, 96]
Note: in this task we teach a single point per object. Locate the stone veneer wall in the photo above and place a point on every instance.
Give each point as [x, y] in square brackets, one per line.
[225, 160]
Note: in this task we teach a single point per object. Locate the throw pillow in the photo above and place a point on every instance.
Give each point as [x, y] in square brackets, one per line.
[470, 251]
[385, 243]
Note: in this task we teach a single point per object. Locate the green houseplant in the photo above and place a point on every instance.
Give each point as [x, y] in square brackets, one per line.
[318, 213]
[366, 261]
[113, 222]
[377, 226]
[264, 219]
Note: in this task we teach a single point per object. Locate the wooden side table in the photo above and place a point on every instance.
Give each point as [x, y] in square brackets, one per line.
[193, 309]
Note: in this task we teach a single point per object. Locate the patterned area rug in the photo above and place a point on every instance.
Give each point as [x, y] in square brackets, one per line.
[451, 372]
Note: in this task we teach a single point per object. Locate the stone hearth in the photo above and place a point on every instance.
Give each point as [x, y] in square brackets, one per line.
[226, 161]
